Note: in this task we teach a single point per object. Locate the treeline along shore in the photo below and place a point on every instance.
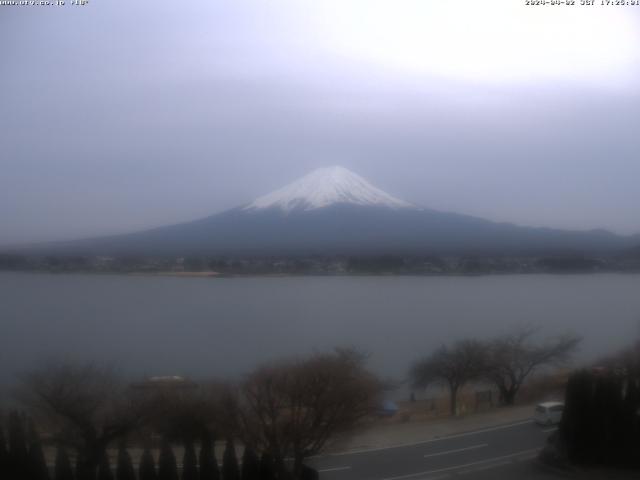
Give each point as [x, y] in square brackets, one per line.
[326, 265]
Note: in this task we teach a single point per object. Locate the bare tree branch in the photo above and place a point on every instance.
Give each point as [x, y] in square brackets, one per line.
[452, 366]
[513, 357]
[294, 408]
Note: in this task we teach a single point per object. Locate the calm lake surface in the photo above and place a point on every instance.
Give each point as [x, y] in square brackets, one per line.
[222, 327]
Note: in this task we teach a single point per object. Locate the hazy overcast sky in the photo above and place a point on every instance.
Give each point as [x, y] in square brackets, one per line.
[122, 115]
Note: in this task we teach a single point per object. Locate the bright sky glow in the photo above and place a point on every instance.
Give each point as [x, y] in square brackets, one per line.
[498, 40]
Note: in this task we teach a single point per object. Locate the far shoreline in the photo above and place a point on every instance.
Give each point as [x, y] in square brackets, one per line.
[219, 275]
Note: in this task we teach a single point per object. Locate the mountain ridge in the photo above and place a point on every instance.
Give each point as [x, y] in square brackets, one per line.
[334, 211]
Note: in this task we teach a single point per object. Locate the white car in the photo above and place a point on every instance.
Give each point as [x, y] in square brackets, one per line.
[548, 413]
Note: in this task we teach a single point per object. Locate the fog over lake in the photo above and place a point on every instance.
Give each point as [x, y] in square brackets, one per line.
[223, 327]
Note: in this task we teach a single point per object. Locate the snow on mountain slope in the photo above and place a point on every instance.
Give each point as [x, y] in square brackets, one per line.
[325, 187]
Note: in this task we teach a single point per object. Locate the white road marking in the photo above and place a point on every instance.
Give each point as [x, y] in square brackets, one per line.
[335, 469]
[527, 456]
[457, 467]
[424, 442]
[482, 468]
[473, 447]
[550, 430]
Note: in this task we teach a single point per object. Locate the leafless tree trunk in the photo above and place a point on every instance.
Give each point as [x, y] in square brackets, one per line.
[453, 366]
[292, 409]
[512, 358]
[86, 405]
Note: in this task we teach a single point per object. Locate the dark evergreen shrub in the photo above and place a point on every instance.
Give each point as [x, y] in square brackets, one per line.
[81, 465]
[36, 463]
[189, 462]
[250, 465]
[575, 430]
[18, 454]
[124, 469]
[308, 473]
[104, 467]
[4, 456]
[62, 469]
[167, 467]
[267, 467]
[230, 469]
[600, 420]
[611, 400]
[147, 469]
[208, 463]
[630, 431]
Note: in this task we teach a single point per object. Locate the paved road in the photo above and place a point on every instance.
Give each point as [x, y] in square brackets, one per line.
[503, 451]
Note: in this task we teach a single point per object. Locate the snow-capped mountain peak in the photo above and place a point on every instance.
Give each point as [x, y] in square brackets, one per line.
[324, 187]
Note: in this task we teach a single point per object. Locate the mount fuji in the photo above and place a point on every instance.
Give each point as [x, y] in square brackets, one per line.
[333, 211]
[326, 187]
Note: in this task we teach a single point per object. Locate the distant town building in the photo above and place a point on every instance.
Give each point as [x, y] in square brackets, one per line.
[165, 382]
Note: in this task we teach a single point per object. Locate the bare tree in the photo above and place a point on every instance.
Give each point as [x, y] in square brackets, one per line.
[87, 405]
[293, 409]
[513, 357]
[452, 366]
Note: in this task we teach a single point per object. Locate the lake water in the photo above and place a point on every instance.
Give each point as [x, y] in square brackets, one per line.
[222, 327]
